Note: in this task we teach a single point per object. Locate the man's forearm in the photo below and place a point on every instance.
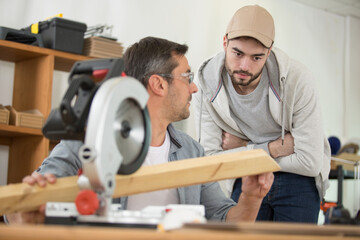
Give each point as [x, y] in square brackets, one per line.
[246, 209]
[278, 148]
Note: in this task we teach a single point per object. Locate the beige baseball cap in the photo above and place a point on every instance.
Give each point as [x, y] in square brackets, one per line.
[252, 21]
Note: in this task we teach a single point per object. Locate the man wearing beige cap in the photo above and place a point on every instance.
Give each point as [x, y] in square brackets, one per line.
[252, 95]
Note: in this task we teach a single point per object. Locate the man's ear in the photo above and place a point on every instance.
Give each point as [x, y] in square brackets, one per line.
[225, 42]
[158, 85]
[269, 50]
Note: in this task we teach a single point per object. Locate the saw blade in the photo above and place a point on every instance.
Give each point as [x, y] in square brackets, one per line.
[132, 134]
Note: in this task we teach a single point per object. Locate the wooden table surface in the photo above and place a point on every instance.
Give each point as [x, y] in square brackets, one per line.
[267, 231]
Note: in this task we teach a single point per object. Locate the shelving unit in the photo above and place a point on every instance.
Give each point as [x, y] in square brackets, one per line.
[33, 80]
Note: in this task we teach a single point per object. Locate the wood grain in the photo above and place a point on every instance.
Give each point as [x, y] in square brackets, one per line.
[23, 197]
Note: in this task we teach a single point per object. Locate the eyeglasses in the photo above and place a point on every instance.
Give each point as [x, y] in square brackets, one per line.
[188, 75]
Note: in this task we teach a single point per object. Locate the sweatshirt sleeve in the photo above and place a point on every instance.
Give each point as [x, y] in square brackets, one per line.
[303, 110]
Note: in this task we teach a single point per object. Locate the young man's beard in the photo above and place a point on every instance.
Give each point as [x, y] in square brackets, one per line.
[240, 82]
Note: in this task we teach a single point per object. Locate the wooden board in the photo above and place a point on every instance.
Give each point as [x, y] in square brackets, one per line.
[23, 197]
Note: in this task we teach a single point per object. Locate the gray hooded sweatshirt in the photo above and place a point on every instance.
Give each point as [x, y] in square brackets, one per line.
[293, 104]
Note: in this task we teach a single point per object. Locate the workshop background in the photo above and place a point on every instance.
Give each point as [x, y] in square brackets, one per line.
[324, 36]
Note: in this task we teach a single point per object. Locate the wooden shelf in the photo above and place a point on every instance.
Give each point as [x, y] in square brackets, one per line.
[33, 82]
[15, 131]
[15, 52]
[8, 132]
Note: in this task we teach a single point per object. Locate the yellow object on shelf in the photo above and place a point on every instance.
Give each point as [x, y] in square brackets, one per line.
[35, 27]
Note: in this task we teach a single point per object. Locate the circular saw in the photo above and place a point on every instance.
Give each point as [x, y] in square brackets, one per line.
[112, 119]
[117, 136]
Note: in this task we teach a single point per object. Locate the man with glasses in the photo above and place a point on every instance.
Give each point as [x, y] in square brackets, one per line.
[254, 96]
[163, 69]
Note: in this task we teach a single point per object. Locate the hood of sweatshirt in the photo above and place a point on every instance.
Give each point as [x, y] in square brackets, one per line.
[212, 72]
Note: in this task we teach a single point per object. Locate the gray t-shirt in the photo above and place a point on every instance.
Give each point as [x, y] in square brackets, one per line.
[251, 112]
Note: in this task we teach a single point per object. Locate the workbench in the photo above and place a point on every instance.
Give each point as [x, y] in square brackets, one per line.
[263, 231]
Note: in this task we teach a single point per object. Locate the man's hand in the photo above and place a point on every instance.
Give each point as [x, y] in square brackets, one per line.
[254, 189]
[257, 186]
[277, 149]
[35, 216]
[230, 141]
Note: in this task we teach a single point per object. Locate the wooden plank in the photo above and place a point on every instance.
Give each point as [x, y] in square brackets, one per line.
[196, 171]
[22, 197]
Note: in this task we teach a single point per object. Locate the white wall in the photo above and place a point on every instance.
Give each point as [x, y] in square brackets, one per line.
[326, 43]
[352, 79]
[4, 155]
[315, 37]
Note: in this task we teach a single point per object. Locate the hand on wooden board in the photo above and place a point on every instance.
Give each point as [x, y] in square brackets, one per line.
[254, 189]
[38, 216]
[257, 185]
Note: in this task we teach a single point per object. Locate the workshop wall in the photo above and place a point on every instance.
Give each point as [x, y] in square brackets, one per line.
[325, 42]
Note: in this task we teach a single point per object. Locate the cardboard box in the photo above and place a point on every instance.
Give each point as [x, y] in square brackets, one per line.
[31, 118]
[4, 115]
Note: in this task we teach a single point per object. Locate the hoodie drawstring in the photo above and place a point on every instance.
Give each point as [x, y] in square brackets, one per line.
[201, 105]
[283, 111]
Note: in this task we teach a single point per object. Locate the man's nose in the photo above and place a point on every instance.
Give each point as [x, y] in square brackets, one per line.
[244, 63]
[193, 88]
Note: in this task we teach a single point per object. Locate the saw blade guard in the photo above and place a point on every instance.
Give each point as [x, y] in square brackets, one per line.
[118, 133]
[132, 134]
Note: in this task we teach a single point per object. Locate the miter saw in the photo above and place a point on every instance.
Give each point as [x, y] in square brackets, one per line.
[107, 110]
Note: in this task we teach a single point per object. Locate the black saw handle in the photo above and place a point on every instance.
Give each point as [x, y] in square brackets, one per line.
[69, 120]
